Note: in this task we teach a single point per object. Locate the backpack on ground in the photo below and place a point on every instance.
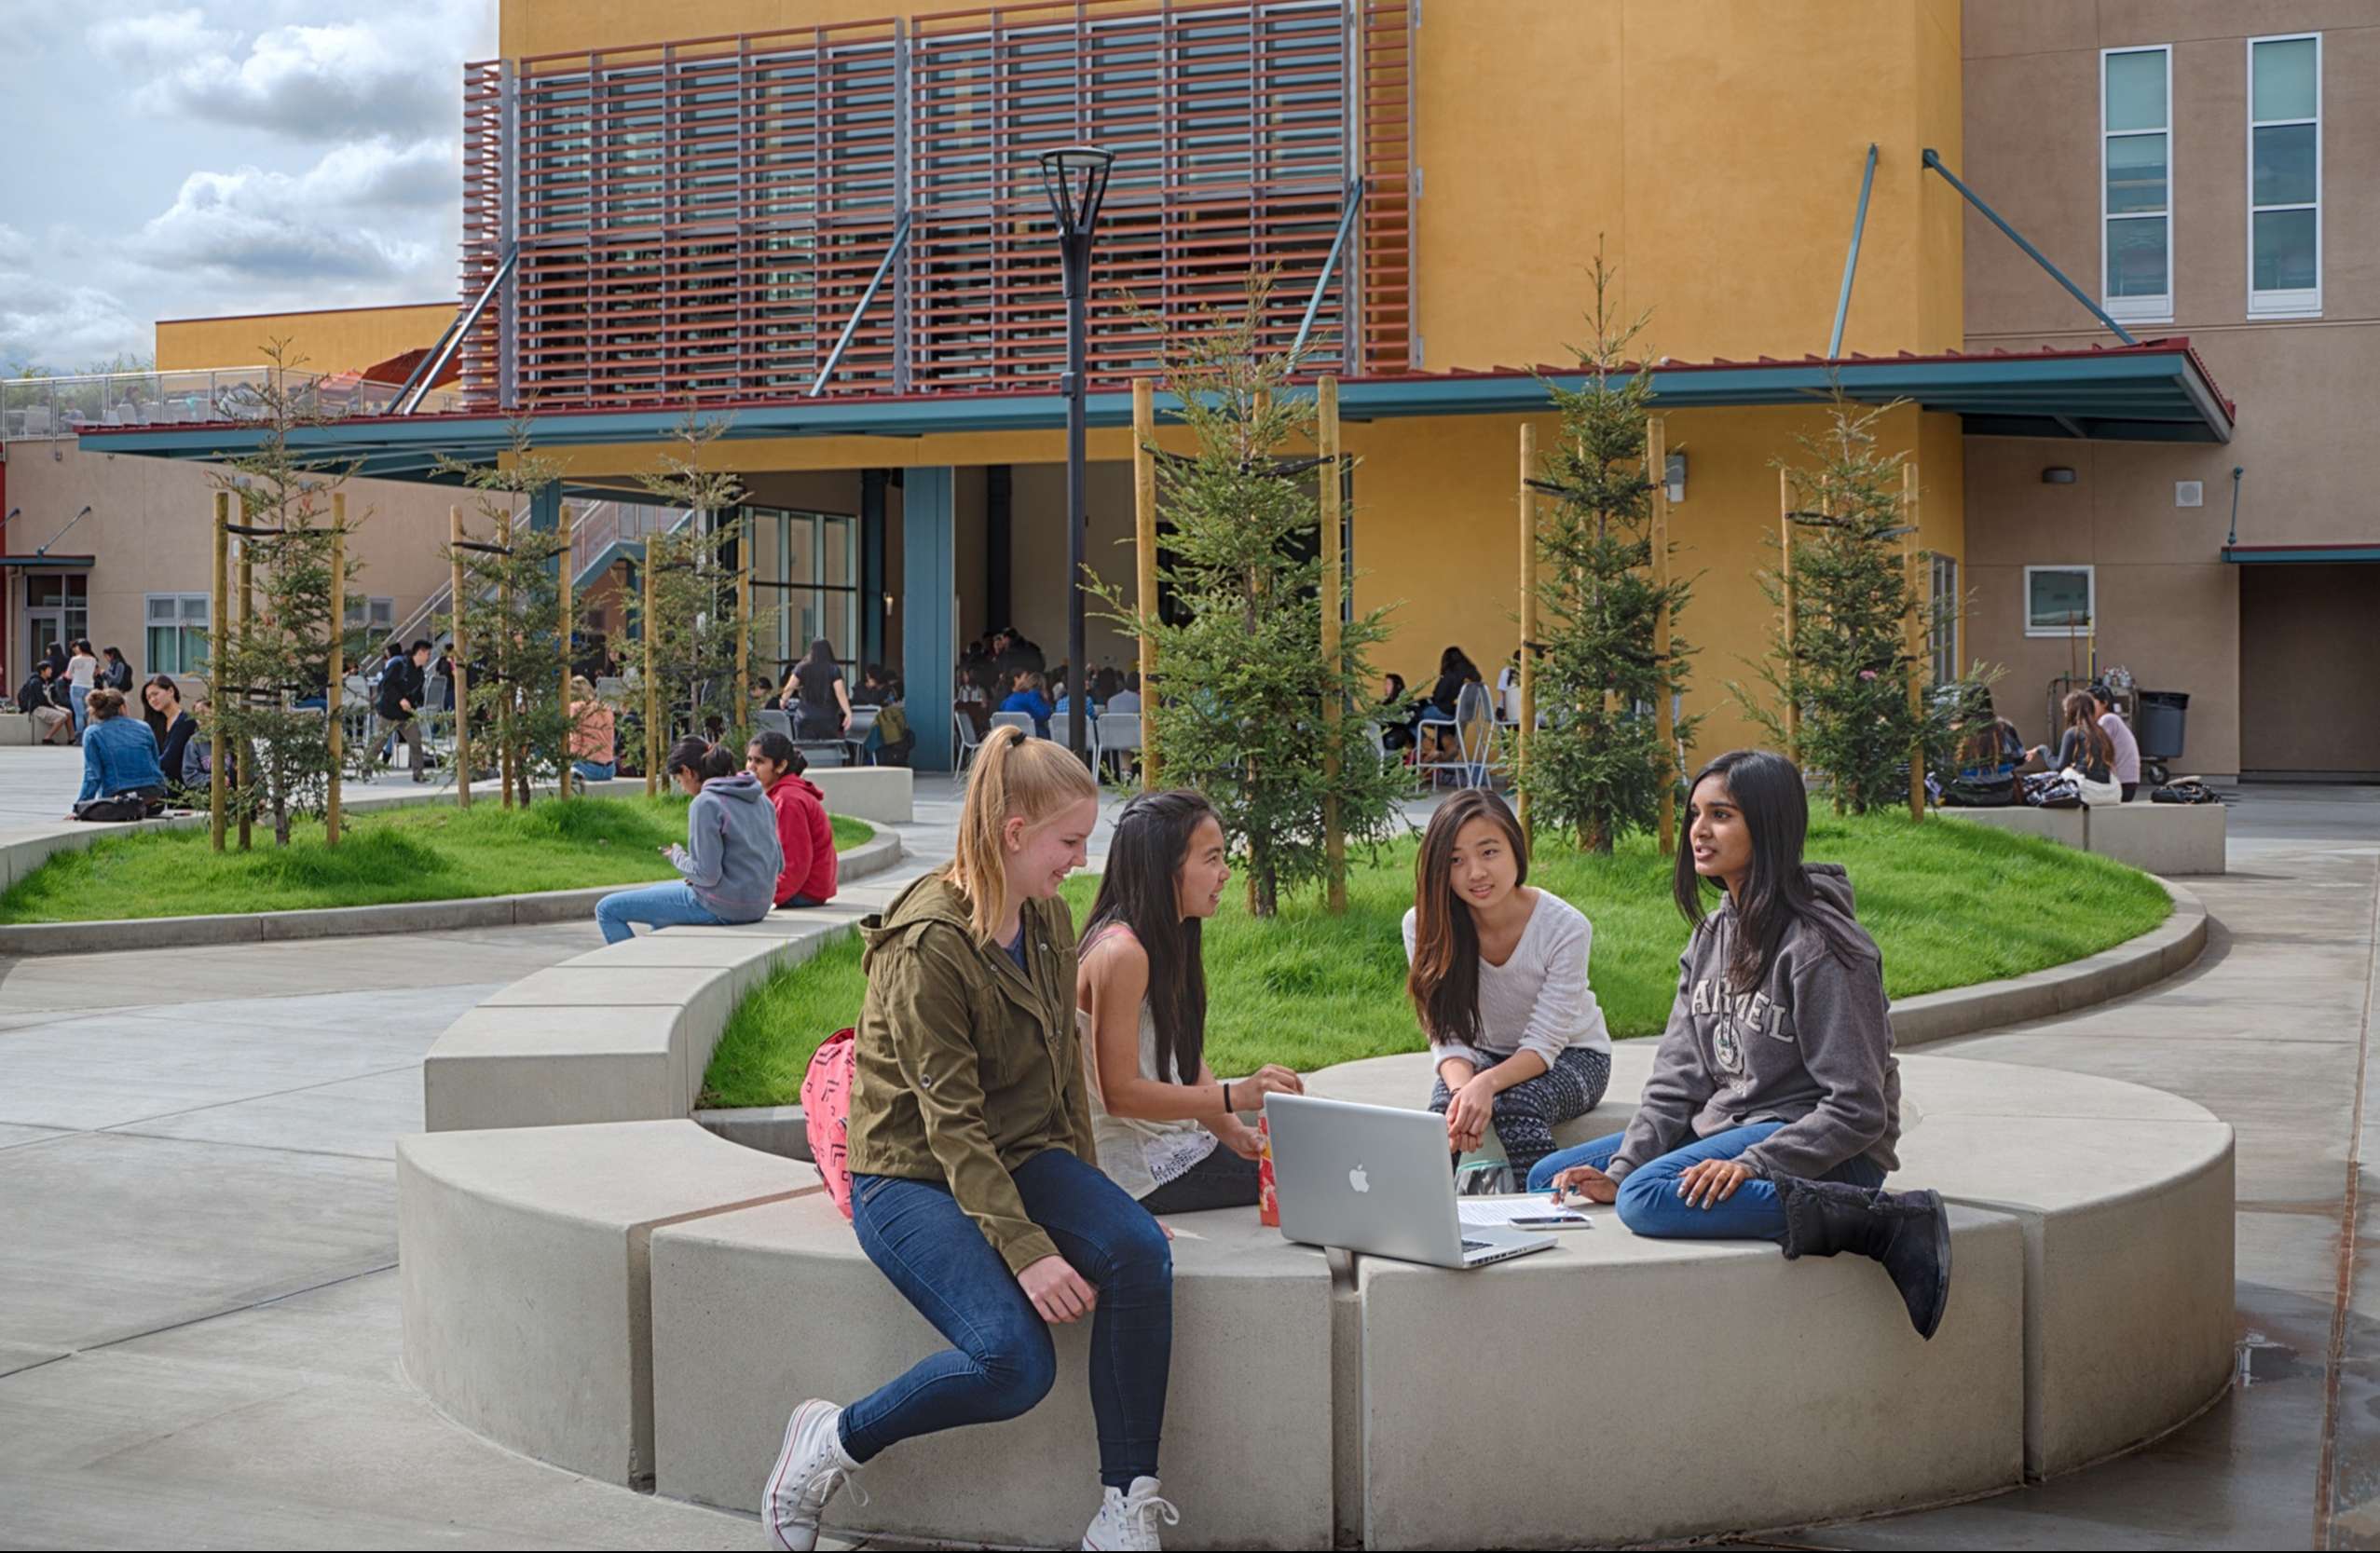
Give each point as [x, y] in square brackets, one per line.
[2185, 790]
[2047, 790]
[118, 809]
[825, 1112]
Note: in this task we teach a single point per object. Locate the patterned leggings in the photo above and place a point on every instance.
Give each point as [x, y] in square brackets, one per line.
[1527, 1114]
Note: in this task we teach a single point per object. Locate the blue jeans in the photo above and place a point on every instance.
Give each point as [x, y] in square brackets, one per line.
[1649, 1203]
[656, 905]
[78, 698]
[596, 770]
[1003, 1360]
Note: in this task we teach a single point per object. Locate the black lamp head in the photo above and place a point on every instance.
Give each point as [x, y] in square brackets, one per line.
[1075, 177]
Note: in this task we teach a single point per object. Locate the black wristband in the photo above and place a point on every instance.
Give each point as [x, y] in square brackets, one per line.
[1226, 1097]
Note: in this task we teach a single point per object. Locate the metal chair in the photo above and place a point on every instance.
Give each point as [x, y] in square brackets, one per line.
[963, 738]
[775, 721]
[1020, 720]
[822, 752]
[1475, 729]
[1117, 733]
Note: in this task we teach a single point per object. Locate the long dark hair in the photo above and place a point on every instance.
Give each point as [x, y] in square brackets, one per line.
[1141, 889]
[2082, 714]
[1443, 982]
[699, 755]
[1454, 661]
[768, 744]
[822, 651]
[1768, 792]
[159, 723]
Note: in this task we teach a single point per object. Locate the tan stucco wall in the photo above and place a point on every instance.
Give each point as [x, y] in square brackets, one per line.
[150, 532]
[333, 340]
[2169, 608]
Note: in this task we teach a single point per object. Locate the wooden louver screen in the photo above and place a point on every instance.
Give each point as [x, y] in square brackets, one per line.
[697, 220]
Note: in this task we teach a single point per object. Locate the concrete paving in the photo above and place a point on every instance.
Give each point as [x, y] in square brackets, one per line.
[199, 1329]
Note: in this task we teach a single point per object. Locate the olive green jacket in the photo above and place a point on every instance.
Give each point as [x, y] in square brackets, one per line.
[965, 1069]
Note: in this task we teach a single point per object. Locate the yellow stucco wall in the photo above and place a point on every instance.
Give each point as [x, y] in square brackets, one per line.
[1714, 145]
[337, 339]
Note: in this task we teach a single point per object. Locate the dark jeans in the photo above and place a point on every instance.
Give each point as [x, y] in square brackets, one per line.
[1220, 1181]
[796, 900]
[1003, 1360]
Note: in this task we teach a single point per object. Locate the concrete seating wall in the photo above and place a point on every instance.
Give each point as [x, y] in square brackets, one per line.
[650, 1266]
[2162, 839]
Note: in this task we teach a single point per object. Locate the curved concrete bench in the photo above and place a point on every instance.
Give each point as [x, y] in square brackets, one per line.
[2090, 1310]
[2122, 1198]
[623, 1033]
[2156, 837]
[523, 1266]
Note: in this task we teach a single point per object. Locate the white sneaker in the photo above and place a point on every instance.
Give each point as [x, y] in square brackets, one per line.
[810, 1468]
[1129, 1521]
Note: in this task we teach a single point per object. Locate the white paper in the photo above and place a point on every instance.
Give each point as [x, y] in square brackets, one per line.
[1497, 1213]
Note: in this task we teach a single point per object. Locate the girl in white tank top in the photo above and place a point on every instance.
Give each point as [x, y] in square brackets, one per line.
[1168, 1132]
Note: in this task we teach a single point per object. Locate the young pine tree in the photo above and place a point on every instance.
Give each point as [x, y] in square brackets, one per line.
[1597, 767]
[1240, 677]
[696, 623]
[519, 644]
[277, 654]
[1846, 663]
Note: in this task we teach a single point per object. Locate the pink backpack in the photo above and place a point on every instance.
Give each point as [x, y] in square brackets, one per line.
[825, 1112]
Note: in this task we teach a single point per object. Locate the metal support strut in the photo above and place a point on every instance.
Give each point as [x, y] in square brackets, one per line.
[1851, 260]
[1934, 160]
[835, 356]
[1330, 267]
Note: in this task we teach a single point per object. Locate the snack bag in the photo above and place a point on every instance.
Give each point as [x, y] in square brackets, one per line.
[1268, 1207]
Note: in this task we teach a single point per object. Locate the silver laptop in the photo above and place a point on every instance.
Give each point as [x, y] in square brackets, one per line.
[1376, 1179]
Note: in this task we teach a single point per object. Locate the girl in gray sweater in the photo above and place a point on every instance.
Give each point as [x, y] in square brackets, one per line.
[1774, 1101]
[731, 859]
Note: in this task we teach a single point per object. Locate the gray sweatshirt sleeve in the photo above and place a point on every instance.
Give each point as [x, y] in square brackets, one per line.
[1440, 1050]
[1846, 1037]
[1679, 1086]
[706, 841]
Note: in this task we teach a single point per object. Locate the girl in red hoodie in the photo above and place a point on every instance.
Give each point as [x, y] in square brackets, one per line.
[802, 830]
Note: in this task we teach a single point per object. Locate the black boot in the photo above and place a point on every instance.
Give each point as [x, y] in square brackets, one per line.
[1909, 1231]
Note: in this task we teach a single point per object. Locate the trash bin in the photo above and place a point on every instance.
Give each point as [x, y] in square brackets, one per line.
[2157, 725]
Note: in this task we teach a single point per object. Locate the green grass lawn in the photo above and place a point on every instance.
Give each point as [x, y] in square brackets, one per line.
[432, 852]
[1949, 903]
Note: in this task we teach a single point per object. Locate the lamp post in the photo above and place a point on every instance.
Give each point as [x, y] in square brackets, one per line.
[1075, 177]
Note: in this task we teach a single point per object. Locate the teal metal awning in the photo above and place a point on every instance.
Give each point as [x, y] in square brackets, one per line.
[2157, 390]
[2267, 556]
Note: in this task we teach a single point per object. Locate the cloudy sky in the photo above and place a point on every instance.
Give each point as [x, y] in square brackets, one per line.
[223, 156]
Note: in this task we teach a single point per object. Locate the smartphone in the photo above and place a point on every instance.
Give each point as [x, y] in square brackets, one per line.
[1545, 1222]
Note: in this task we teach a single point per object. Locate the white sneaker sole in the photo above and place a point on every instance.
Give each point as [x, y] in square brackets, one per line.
[777, 1538]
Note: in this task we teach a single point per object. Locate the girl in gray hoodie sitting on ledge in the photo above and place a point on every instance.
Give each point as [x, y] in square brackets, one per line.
[1774, 1100]
[730, 858]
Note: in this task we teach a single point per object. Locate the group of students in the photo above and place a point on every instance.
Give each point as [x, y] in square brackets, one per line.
[1043, 697]
[134, 767]
[57, 693]
[2096, 750]
[820, 701]
[1003, 1186]
[758, 840]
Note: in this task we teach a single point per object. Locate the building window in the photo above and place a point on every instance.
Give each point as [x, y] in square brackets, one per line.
[2135, 168]
[2059, 600]
[1944, 607]
[177, 628]
[2285, 176]
[806, 564]
[377, 616]
[58, 611]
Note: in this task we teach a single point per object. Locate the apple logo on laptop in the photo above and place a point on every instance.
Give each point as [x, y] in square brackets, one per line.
[1357, 1180]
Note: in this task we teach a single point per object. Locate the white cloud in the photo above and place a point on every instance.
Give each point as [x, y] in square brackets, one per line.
[64, 327]
[14, 249]
[159, 41]
[391, 74]
[329, 222]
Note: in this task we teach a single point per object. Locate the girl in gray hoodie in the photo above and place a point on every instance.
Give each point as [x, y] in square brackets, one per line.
[730, 858]
[1774, 1100]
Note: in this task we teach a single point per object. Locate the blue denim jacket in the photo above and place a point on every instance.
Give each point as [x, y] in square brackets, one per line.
[119, 753]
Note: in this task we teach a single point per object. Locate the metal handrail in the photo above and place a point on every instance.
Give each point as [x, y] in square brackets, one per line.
[593, 532]
[33, 409]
